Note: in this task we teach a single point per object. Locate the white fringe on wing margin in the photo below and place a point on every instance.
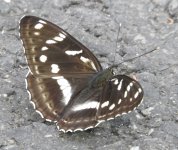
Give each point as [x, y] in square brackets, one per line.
[29, 71]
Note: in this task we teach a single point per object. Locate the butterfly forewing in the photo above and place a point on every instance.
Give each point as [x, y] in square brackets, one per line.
[66, 82]
[50, 51]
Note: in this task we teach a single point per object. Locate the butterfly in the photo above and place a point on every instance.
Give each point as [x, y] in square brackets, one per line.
[66, 82]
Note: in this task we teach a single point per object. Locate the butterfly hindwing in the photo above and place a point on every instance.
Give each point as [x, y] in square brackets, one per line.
[50, 96]
[119, 96]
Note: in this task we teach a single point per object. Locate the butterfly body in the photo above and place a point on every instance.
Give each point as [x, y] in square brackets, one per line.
[100, 79]
[66, 82]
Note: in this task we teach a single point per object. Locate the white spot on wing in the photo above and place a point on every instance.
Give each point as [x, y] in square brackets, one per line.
[65, 87]
[36, 69]
[120, 85]
[136, 94]
[33, 48]
[57, 38]
[92, 64]
[50, 42]
[125, 94]
[38, 26]
[36, 33]
[115, 80]
[139, 90]
[128, 88]
[68, 52]
[42, 21]
[119, 101]
[43, 58]
[62, 35]
[112, 107]
[44, 48]
[58, 77]
[86, 105]
[54, 68]
[131, 99]
[105, 104]
[131, 84]
[86, 60]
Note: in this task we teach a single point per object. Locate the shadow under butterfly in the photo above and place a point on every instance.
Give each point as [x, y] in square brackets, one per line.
[66, 82]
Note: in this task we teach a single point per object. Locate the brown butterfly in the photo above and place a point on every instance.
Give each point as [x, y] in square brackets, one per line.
[66, 82]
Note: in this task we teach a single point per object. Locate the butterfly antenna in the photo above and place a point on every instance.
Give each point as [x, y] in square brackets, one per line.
[117, 39]
[132, 59]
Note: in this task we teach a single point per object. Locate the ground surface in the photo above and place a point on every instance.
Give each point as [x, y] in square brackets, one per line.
[146, 25]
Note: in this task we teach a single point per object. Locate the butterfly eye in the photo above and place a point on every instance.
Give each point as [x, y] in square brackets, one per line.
[66, 82]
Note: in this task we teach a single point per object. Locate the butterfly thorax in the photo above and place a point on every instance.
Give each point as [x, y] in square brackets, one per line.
[100, 79]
